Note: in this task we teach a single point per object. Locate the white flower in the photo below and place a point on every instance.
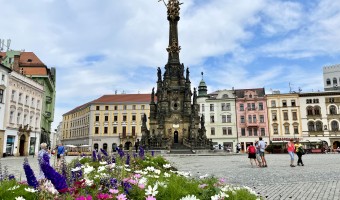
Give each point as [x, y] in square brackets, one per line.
[88, 182]
[143, 180]
[30, 190]
[166, 174]
[111, 166]
[215, 197]
[88, 169]
[189, 197]
[19, 198]
[76, 169]
[103, 163]
[162, 184]
[138, 172]
[157, 171]
[14, 187]
[127, 169]
[101, 168]
[152, 190]
[150, 169]
[166, 166]
[204, 176]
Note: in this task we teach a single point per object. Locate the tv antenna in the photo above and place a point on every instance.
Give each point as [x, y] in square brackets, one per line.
[3, 45]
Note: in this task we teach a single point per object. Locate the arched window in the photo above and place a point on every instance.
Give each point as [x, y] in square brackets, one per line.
[335, 81]
[328, 81]
[311, 126]
[95, 146]
[114, 146]
[335, 126]
[225, 96]
[105, 147]
[332, 110]
[317, 110]
[318, 126]
[309, 110]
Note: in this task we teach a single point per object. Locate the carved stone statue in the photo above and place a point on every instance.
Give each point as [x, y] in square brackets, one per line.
[159, 74]
[144, 120]
[195, 96]
[202, 121]
[187, 74]
[153, 95]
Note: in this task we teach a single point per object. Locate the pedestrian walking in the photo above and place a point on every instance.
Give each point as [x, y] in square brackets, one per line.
[238, 148]
[291, 149]
[258, 157]
[60, 153]
[299, 152]
[41, 153]
[262, 147]
[252, 154]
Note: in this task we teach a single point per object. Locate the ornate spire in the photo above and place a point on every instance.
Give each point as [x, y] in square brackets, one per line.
[173, 8]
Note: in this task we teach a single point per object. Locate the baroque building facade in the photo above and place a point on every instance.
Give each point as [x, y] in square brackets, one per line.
[174, 119]
[30, 65]
[4, 76]
[107, 122]
[331, 77]
[251, 110]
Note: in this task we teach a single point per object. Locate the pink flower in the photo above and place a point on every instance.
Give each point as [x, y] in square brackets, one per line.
[113, 191]
[126, 179]
[102, 196]
[203, 186]
[121, 197]
[222, 180]
[150, 198]
[141, 186]
[138, 175]
[89, 197]
[134, 182]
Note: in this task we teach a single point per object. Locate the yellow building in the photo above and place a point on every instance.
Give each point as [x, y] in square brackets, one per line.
[106, 122]
[284, 118]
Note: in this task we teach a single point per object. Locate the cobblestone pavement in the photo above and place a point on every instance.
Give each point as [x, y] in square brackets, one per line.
[318, 179]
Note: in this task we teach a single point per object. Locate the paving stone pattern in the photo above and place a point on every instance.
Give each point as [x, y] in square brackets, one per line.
[318, 179]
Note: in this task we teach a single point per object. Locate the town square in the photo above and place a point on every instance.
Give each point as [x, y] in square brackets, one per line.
[170, 99]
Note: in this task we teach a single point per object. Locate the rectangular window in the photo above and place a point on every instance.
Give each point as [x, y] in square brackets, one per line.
[13, 95]
[116, 108]
[223, 107]
[106, 118]
[20, 95]
[260, 106]
[263, 133]
[255, 131]
[96, 130]
[202, 107]
[296, 130]
[243, 132]
[285, 115]
[97, 118]
[254, 118]
[249, 118]
[261, 118]
[315, 100]
[224, 119]
[3, 77]
[212, 131]
[250, 132]
[228, 118]
[26, 100]
[133, 130]
[106, 107]
[18, 118]
[224, 130]
[124, 130]
[143, 107]
[105, 130]
[273, 103]
[212, 119]
[293, 103]
[1, 95]
[248, 106]
[124, 118]
[241, 107]
[274, 116]
[242, 119]
[124, 107]
[133, 117]
[253, 106]
[11, 114]
[133, 107]
[115, 129]
[38, 103]
[286, 129]
[211, 107]
[284, 103]
[115, 118]
[294, 115]
[276, 132]
[97, 107]
[230, 132]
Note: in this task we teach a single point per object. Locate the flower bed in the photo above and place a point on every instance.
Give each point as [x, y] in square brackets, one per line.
[125, 176]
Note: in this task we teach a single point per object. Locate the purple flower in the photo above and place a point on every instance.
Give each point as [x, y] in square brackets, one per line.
[104, 152]
[127, 159]
[11, 177]
[152, 153]
[94, 156]
[57, 179]
[46, 158]
[113, 160]
[126, 187]
[113, 182]
[31, 179]
[141, 152]
[99, 156]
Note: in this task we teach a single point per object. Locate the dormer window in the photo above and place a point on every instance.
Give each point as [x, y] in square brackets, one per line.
[29, 60]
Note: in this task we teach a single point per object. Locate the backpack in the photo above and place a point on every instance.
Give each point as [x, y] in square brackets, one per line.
[252, 149]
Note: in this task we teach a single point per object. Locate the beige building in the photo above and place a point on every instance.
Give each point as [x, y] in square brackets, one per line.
[106, 122]
[284, 117]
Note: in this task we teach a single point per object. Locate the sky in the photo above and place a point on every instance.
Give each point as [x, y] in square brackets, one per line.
[99, 47]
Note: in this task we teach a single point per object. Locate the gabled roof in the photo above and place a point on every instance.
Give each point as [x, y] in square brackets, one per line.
[30, 59]
[259, 91]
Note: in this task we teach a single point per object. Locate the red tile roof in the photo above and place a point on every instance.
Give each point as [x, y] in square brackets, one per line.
[29, 58]
[35, 70]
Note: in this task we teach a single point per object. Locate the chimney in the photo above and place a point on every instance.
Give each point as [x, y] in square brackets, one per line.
[16, 63]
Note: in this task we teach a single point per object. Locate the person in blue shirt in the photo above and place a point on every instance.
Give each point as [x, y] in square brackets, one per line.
[60, 153]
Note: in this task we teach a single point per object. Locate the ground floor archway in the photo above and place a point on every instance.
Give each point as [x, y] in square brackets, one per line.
[22, 145]
[176, 137]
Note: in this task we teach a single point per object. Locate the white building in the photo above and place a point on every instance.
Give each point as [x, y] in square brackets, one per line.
[331, 77]
[22, 115]
[4, 73]
[218, 109]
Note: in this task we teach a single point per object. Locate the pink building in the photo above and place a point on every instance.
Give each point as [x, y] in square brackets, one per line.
[251, 112]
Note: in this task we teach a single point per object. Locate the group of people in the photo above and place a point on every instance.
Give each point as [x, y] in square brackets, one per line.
[256, 153]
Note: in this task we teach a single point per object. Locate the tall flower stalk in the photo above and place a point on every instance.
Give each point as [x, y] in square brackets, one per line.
[51, 174]
[31, 179]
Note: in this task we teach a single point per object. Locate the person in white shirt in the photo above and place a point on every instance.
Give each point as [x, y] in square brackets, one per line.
[262, 146]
